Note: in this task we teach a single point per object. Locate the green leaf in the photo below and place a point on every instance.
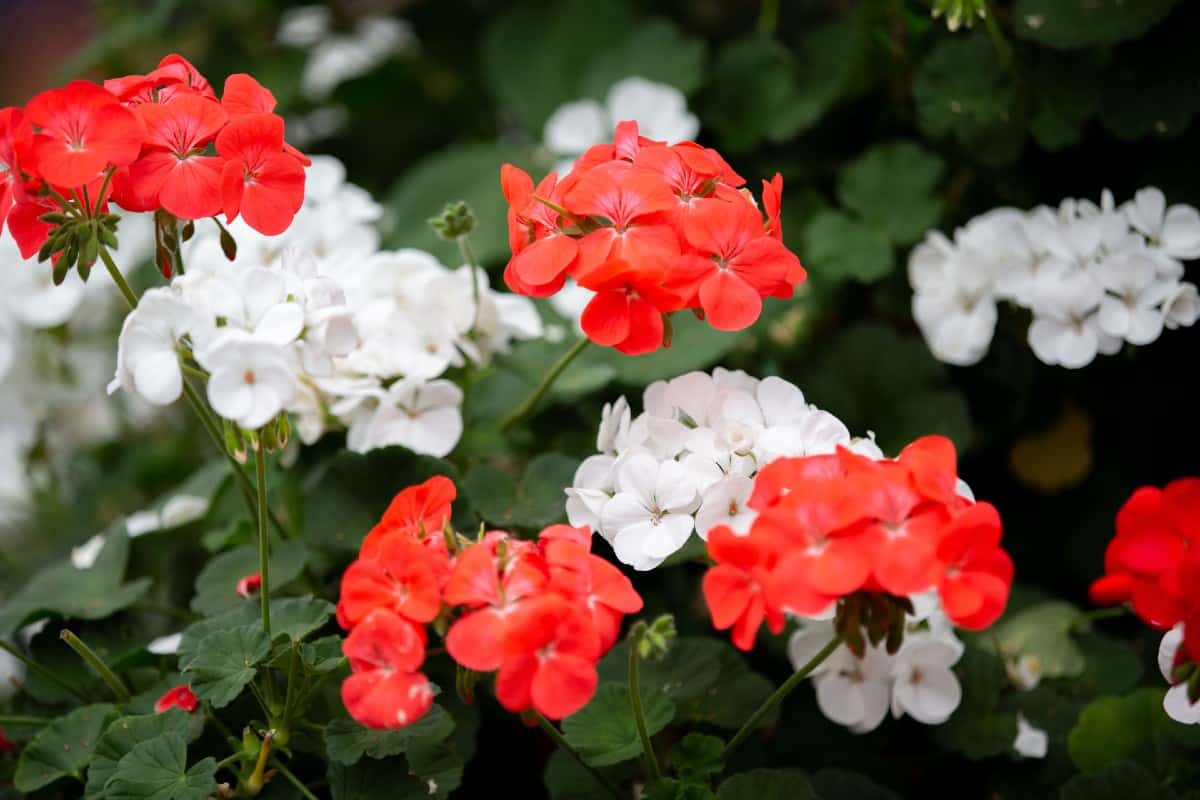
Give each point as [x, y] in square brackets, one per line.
[977, 729]
[530, 81]
[322, 655]
[671, 789]
[1112, 666]
[372, 780]
[604, 731]
[62, 748]
[1149, 87]
[536, 502]
[567, 780]
[225, 663]
[92, 593]
[346, 741]
[841, 784]
[655, 50]
[698, 757]
[767, 784]
[182, 505]
[297, 617]
[892, 188]
[1066, 94]
[125, 733]
[439, 764]
[689, 669]
[962, 91]
[1044, 631]
[468, 172]
[727, 701]
[753, 94]
[877, 380]
[1112, 729]
[1071, 24]
[829, 55]
[156, 769]
[837, 248]
[1123, 780]
[216, 583]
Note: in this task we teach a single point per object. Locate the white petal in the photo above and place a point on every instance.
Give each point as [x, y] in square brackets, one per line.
[85, 555]
[1031, 742]
[165, 645]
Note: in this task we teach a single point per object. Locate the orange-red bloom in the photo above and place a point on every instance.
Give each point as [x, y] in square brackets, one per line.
[177, 697]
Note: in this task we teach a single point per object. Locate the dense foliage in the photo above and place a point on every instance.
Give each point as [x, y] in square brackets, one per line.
[139, 656]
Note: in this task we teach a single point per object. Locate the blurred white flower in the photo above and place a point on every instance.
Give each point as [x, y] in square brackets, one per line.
[85, 555]
[12, 675]
[925, 687]
[1031, 742]
[165, 645]
[335, 57]
[1176, 702]
[424, 417]
[1174, 230]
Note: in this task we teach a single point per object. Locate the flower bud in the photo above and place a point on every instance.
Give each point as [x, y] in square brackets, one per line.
[657, 638]
[456, 220]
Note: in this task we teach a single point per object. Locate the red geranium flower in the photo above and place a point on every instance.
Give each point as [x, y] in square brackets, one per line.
[174, 172]
[978, 574]
[79, 130]
[178, 697]
[399, 578]
[384, 689]
[550, 648]
[260, 181]
[249, 585]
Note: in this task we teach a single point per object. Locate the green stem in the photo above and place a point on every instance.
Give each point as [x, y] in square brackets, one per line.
[104, 189]
[555, 734]
[780, 693]
[212, 428]
[768, 17]
[1086, 618]
[529, 403]
[16, 719]
[290, 694]
[264, 534]
[639, 716]
[87, 654]
[118, 278]
[1003, 49]
[293, 780]
[225, 762]
[45, 672]
[186, 617]
[464, 248]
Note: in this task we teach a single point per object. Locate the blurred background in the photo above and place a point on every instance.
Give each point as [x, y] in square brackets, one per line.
[423, 101]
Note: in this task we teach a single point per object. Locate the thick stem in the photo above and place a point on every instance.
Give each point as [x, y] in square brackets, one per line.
[529, 403]
[639, 716]
[555, 734]
[118, 278]
[13, 720]
[41, 670]
[87, 654]
[780, 693]
[264, 534]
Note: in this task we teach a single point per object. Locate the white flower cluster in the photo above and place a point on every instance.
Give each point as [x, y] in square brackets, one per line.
[1094, 277]
[687, 462]
[661, 113]
[53, 359]
[336, 57]
[318, 323]
[1176, 702]
[918, 680]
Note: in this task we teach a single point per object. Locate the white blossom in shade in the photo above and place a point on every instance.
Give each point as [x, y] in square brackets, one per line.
[925, 687]
[177, 511]
[659, 109]
[165, 645]
[250, 380]
[650, 516]
[855, 692]
[1031, 741]
[85, 555]
[724, 503]
[593, 485]
[12, 675]
[424, 417]
[1095, 276]
[570, 301]
[147, 348]
[613, 435]
[1182, 308]
[1176, 702]
[1024, 672]
[335, 57]
[1174, 230]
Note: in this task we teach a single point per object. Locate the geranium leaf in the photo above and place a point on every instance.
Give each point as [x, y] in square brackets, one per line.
[156, 769]
[62, 748]
[604, 731]
[225, 663]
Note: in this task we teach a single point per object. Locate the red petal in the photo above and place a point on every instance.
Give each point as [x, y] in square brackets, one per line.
[562, 685]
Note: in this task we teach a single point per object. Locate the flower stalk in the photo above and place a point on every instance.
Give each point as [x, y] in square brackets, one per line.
[635, 701]
[527, 405]
[119, 690]
[560, 740]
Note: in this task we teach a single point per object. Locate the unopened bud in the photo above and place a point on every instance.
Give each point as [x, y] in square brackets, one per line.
[668, 331]
[228, 244]
[456, 220]
[189, 230]
[63, 265]
[657, 638]
[108, 237]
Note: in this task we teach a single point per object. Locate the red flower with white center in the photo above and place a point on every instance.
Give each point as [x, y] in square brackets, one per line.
[78, 131]
[550, 648]
[400, 578]
[738, 262]
[177, 697]
[260, 180]
[978, 574]
[542, 252]
[577, 573]
[736, 589]
[249, 585]
[173, 172]
[385, 690]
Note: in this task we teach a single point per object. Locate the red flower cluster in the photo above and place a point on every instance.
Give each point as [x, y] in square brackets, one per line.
[540, 613]
[651, 229]
[1154, 560]
[833, 525]
[158, 141]
[177, 697]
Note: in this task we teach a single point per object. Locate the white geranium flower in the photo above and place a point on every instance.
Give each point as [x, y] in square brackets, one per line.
[165, 645]
[1176, 702]
[147, 348]
[1174, 230]
[1031, 742]
[12, 675]
[1133, 310]
[926, 687]
[724, 503]
[594, 483]
[855, 692]
[650, 516]
[250, 380]
[1066, 329]
[424, 417]
[1181, 309]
